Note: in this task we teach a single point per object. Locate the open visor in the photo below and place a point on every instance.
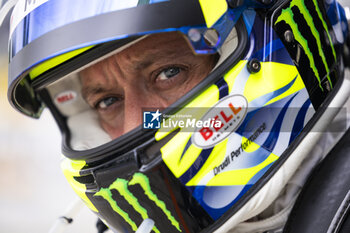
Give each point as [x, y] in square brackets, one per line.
[38, 35]
[95, 102]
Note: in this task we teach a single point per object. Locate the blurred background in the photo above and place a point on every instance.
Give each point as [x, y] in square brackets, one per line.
[33, 190]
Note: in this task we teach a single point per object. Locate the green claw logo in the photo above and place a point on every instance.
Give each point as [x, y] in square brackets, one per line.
[309, 15]
[121, 186]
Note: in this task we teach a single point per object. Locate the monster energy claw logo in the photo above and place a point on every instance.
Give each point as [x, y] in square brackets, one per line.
[308, 25]
[121, 186]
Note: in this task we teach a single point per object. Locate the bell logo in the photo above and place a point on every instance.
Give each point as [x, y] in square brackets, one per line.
[65, 97]
[230, 111]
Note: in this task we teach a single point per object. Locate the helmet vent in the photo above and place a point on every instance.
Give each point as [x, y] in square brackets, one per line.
[88, 179]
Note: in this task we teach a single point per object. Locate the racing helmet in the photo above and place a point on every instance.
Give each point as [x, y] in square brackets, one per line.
[225, 148]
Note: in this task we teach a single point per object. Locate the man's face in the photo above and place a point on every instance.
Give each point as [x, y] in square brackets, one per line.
[154, 72]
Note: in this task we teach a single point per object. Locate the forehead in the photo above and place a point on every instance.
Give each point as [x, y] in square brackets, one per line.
[157, 48]
[151, 51]
[158, 44]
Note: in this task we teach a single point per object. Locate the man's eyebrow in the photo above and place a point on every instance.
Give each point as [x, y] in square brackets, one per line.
[92, 90]
[163, 56]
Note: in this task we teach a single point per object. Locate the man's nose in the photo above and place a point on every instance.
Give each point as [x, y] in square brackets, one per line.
[135, 103]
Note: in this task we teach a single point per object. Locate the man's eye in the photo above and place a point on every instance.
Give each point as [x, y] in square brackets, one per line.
[169, 73]
[106, 102]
